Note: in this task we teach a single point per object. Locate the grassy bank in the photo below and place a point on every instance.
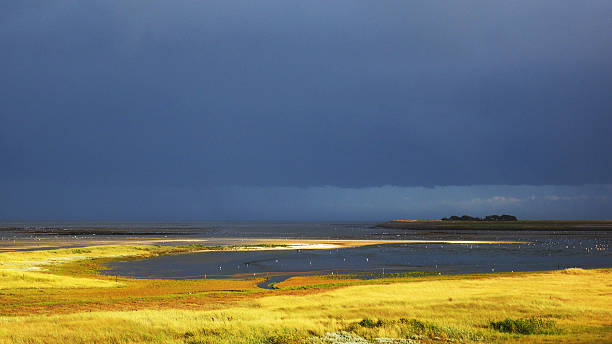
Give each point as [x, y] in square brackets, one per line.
[563, 306]
[540, 225]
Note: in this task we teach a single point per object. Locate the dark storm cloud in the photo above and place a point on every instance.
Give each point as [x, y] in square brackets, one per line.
[305, 93]
[41, 201]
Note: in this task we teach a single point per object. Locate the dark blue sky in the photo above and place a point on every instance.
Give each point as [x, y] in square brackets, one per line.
[302, 108]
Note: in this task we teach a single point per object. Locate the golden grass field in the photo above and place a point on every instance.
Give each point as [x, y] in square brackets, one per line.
[56, 296]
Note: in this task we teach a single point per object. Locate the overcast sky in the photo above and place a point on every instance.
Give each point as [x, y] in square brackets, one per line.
[306, 110]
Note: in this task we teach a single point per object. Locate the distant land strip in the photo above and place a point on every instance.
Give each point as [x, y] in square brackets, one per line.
[536, 225]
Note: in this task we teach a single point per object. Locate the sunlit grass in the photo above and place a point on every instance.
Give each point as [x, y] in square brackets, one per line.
[27, 269]
[76, 267]
[423, 308]
[38, 260]
[10, 279]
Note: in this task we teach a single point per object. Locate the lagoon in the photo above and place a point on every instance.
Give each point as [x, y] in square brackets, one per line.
[541, 254]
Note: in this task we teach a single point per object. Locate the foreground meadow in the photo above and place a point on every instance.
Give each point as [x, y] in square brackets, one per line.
[57, 296]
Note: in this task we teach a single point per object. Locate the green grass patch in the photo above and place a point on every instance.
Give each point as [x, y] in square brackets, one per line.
[525, 326]
[369, 323]
[409, 328]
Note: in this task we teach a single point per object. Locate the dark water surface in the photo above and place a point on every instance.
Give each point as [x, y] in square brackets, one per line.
[192, 229]
[547, 249]
[445, 258]
[272, 230]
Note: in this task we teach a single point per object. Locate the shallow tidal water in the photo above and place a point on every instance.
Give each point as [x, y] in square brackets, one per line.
[547, 249]
[430, 257]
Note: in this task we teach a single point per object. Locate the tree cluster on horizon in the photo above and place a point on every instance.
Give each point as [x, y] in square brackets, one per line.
[504, 217]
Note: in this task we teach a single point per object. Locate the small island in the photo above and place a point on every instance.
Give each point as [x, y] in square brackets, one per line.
[504, 217]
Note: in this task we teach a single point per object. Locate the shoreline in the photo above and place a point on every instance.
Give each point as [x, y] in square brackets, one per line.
[241, 244]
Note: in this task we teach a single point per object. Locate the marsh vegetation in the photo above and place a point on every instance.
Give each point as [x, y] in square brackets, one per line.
[48, 306]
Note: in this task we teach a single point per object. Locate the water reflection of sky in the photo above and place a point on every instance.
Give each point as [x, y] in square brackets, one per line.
[445, 258]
